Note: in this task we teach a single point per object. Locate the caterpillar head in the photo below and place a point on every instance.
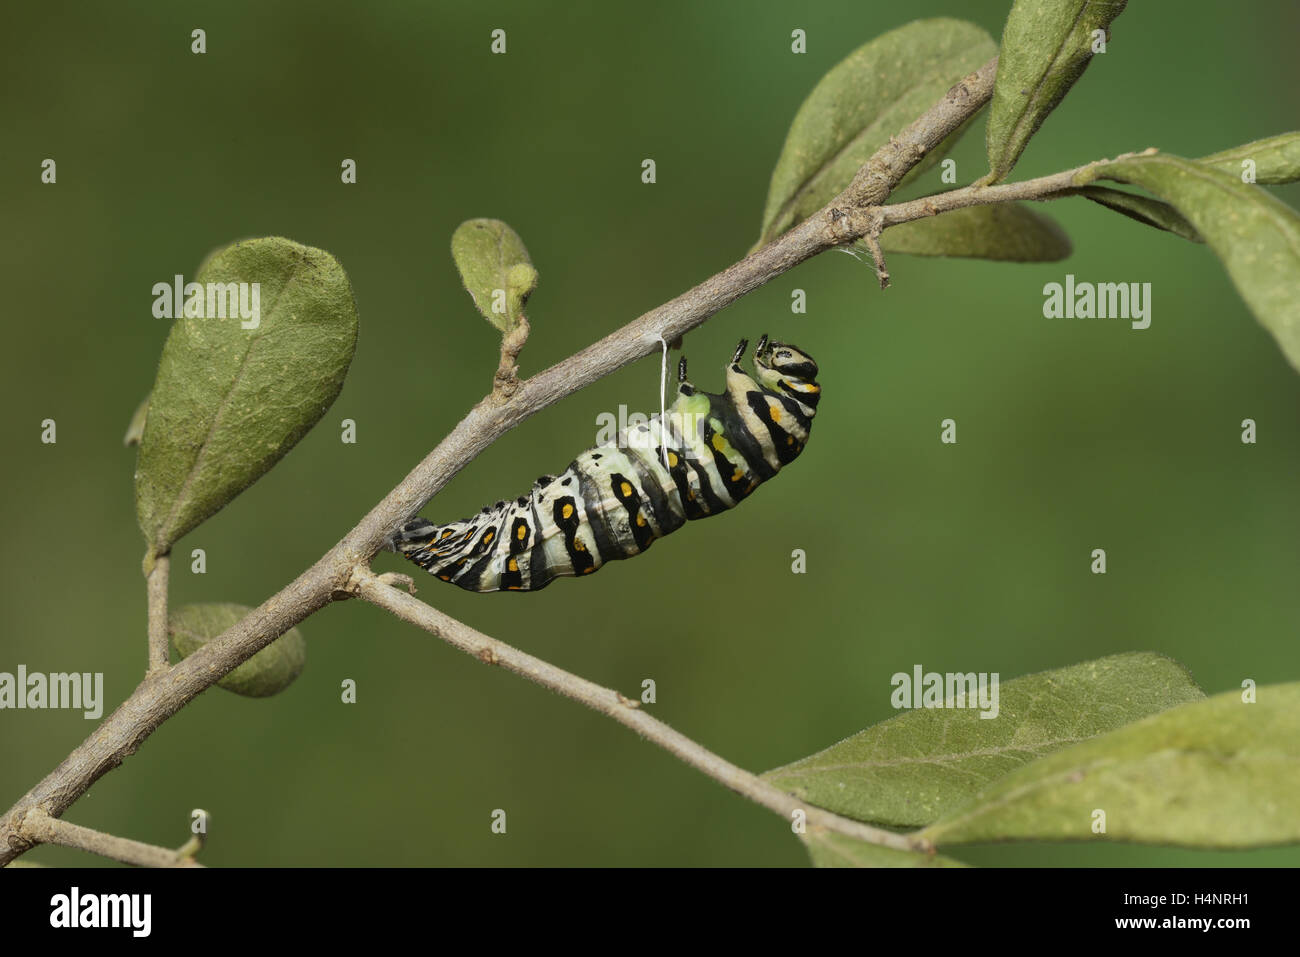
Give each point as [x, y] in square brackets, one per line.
[788, 370]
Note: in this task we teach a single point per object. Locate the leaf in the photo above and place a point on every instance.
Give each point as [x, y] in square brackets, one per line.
[1046, 46]
[1144, 209]
[268, 672]
[1255, 235]
[918, 766]
[1277, 159]
[135, 430]
[1002, 231]
[229, 401]
[873, 93]
[495, 268]
[1212, 773]
[828, 849]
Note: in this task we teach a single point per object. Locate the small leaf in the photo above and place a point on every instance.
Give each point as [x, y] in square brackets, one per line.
[1255, 235]
[1046, 46]
[135, 430]
[268, 672]
[1213, 773]
[1277, 159]
[1144, 209]
[1003, 231]
[916, 767]
[229, 402]
[828, 849]
[856, 107]
[495, 268]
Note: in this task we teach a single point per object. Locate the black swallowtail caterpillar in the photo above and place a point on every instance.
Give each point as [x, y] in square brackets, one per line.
[613, 501]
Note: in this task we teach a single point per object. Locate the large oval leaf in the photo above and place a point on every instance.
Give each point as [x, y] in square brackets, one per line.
[1003, 231]
[1276, 159]
[870, 95]
[233, 395]
[495, 268]
[1213, 773]
[268, 672]
[914, 768]
[1256, 235]
[1046, 46]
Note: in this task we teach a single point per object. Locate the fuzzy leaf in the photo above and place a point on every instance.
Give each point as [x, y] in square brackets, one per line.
[1144, 209]
[869, 96]
[268, 672]
[1003, 231]
[828, 849]
[1277, 159]
[229, 401]
[1255, 235]
[1215, 773]
[1046, 46]
[495, 268]
[918, 766]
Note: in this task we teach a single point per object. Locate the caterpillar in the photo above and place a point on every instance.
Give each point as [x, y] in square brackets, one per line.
[614, 501]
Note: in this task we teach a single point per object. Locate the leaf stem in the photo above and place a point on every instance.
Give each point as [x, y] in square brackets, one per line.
[156, 586]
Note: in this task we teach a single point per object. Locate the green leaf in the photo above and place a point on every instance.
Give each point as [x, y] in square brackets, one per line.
[268, 672]
[1277, 159]
[230, 401]
[1046, 46]
[495, 268]
[1003, 231]
[1215, 773]
[828, 849]
[918, 766]
[869, 96]
[1255, 235]
[1144, 209]
[135, 430]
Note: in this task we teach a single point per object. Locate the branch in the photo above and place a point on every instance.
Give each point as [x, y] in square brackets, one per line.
[1056, 186]
[377, 590]
[164, 692]
[156, 585]
[38, 827]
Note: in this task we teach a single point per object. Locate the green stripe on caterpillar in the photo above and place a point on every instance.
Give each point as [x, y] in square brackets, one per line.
[613, 501]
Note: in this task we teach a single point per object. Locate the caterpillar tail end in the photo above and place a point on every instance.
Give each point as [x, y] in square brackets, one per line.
[411, 537]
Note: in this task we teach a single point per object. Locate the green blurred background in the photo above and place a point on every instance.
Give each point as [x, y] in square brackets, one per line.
[1072, 435]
